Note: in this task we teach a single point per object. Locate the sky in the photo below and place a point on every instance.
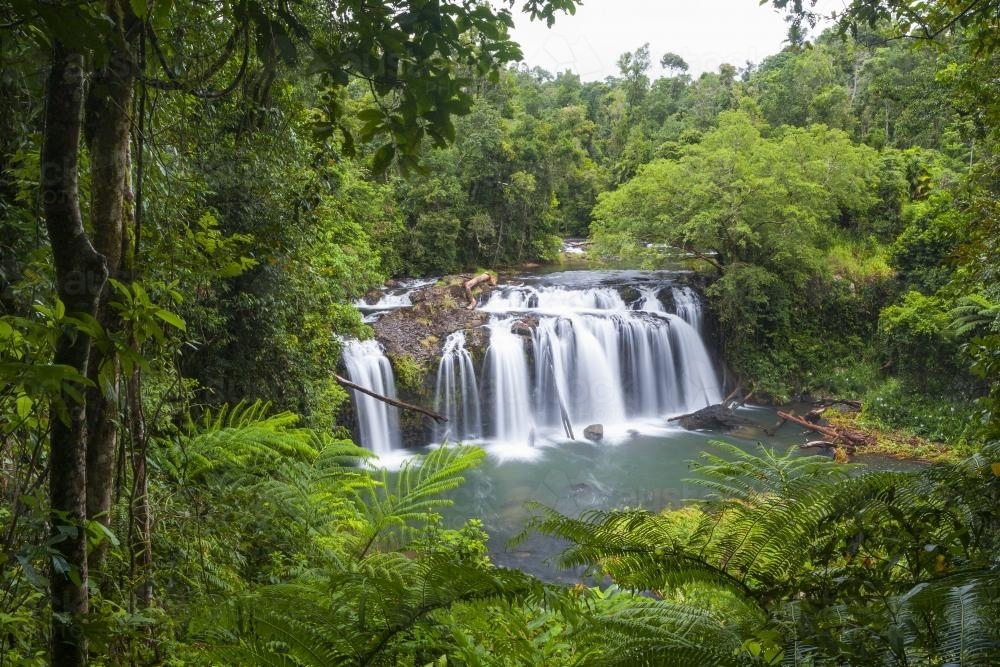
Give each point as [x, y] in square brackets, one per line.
[706, 33]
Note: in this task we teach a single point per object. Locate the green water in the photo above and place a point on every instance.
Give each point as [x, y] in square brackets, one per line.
[648, 470]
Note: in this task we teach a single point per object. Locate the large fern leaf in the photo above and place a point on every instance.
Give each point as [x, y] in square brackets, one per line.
[400, 500]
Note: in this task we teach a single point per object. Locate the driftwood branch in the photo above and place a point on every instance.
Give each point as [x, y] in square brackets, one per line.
[478, 280]
[439, 418]
[837, 435]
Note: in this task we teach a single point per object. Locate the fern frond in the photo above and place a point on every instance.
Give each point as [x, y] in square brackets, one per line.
[237, 439]
[954, 620]
[641, 631]
[400, 500]
[745, 476]
[356, 617]
[975, 312]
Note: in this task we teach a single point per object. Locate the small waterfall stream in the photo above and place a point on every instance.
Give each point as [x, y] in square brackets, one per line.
[688, 306]
[506, 385]
[378, 422]
[456, 393]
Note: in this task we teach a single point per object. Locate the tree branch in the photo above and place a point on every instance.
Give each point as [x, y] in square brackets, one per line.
[439, 418]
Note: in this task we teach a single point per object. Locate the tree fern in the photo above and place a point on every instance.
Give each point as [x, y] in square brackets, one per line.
[744, 476]
[238, 439]
[362, 616]
[658, 632]
[831, 554]
[398, 501]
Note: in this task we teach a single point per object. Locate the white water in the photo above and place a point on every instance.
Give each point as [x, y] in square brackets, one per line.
[553, 299]
[506, 383]
[378, 422]
[593, 359]
[563, 355]
[457, 392]
[688, 306]
[392, 299]
[649, 300]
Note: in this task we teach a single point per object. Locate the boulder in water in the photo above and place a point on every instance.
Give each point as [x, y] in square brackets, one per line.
[594, 432]
[712, 418]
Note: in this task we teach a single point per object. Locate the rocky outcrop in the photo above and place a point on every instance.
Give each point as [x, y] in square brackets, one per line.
[438, 310]
[413, 338]
[712, 418]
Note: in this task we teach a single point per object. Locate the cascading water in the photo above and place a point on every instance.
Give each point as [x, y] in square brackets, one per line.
[688, 306]
[594, 359]
[506, 383]
[457, 393]
[368, 367]
[649, 300]
[561, 355]
[392, 299]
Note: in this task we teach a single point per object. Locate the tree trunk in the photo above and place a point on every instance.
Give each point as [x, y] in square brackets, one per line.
[108, 125]
[80, 277]
[140, 538]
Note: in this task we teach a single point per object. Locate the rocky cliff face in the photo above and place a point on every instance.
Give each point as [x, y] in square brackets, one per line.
[413, 338]
[438, 310]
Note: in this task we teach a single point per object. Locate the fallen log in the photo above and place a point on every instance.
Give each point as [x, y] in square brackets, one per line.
[849, 402]
[439, 418]
[712, 417]
[823, 444]
[478, 280]
[836, 434]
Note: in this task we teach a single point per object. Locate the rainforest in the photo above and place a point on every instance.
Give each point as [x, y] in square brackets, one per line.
[332, 333]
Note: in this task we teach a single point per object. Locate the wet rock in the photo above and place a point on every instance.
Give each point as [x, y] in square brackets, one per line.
[525, 326]
[594, 432]
[629, 293]
[713, 418]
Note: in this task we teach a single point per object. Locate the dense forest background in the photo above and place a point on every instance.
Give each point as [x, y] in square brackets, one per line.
[192, 194]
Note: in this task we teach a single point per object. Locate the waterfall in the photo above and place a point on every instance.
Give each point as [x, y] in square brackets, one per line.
[561, 355]
[695, 375]
[553, 299]
[457, 394]
[368, 367]
[649, 300]
[577, 364]
[505, 381]
[592, 359]
[687, 305]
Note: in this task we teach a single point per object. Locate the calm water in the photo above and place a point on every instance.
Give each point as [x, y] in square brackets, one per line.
[645, 470]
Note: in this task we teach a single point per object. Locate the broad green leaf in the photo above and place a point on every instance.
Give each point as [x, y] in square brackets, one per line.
[171, 318]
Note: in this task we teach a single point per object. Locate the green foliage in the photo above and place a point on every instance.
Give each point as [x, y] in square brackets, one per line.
[817, 563]
[409, 372]
[918, 340]
[893, 405]
[383, 573]
[273, 188]
[923, 252]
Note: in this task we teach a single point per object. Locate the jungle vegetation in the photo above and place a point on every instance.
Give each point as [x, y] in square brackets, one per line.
[192, 193]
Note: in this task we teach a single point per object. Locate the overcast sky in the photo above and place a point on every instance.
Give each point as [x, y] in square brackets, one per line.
[706, 33]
